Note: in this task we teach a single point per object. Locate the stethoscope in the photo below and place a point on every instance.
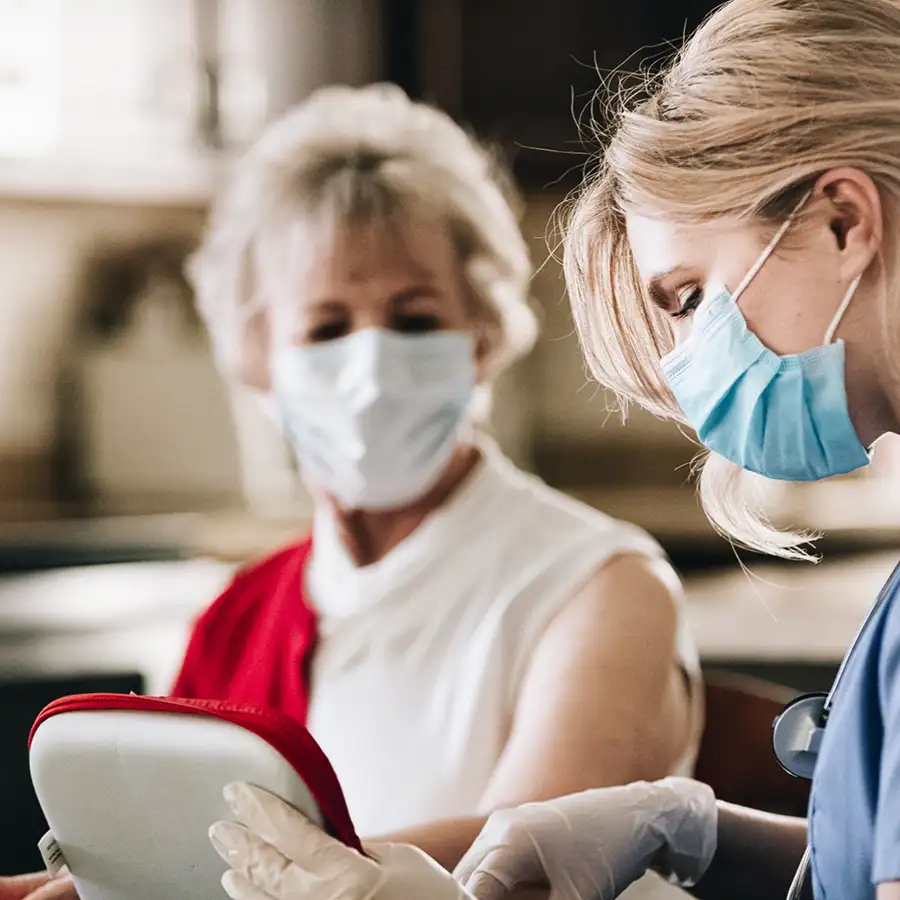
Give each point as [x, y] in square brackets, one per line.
[797, 733]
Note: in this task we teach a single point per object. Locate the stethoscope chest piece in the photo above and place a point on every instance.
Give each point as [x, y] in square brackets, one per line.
[797, 734]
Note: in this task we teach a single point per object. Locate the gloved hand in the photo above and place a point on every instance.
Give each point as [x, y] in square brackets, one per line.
[276, 853]
[593, 845]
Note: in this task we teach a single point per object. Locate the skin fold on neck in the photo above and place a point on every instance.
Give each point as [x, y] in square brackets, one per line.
[368, 536]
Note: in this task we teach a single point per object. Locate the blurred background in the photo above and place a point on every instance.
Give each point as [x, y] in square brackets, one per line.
[132, 480]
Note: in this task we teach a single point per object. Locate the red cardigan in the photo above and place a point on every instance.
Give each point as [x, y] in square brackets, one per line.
[255, 643]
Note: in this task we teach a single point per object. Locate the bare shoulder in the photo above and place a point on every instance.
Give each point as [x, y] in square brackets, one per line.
[631, 598]
[603, 698]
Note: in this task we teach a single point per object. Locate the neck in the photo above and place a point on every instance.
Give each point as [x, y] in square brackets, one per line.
[888, 420]
[873, 392]
[369, 536]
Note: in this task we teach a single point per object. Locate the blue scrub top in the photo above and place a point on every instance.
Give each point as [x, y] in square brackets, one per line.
[854, 811]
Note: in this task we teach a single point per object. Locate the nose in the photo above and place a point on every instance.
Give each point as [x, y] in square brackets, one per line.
[370, 318]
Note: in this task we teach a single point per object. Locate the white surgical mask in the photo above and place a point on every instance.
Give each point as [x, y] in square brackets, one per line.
[374, 417]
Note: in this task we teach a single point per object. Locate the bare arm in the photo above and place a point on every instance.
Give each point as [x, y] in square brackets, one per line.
[756, 857]
[603, 702]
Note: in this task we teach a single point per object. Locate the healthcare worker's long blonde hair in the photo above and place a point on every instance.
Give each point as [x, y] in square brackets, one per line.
[766, 96]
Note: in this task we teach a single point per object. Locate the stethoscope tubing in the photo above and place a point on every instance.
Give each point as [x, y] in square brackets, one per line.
[796, 888]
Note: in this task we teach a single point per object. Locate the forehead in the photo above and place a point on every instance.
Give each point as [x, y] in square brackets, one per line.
[659, 246]
[718, 249]
[321, 257]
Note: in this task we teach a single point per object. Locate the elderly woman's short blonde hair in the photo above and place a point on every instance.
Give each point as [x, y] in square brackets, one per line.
[363, 154]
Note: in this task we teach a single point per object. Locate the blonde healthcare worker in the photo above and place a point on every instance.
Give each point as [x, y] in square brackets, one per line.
[734, 263]
[458, 636]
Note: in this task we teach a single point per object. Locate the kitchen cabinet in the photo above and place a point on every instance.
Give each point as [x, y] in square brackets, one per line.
[524, 72]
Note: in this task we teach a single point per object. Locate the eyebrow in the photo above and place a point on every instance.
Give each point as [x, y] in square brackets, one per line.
[420, 290]
[328, 305]
[335, 306]
[657, 290]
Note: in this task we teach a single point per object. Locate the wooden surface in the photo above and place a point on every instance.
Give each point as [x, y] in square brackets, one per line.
[736, 757]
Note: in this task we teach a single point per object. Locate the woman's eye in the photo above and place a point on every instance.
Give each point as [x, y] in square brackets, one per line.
[416, 323]
[688, 299]
[327, 331]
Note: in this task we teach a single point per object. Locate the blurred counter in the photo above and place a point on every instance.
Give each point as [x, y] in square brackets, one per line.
[784, 613]
[132, 613]
[231, 536]
[789, 624]
[858, 514]
[104, 620]
[117, 596]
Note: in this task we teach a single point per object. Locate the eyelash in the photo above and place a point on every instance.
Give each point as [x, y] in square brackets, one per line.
[690, 304]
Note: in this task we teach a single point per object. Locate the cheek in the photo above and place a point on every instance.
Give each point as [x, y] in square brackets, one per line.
[462, 310]
[255, 351]
[789, 309]
[286, 319]
[783, 330]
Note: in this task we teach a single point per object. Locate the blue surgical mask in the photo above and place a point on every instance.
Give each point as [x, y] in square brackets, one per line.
[784, 417]
[374, 417]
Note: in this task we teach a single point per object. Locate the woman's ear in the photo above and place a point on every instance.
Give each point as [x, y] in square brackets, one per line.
[854, 217]
[255, 347]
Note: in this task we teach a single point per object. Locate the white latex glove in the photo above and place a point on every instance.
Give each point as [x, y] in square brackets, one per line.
[276, 853]
[593, 845]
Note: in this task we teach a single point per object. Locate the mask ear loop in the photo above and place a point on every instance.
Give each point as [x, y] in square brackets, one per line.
[770, 248]
[836, 321]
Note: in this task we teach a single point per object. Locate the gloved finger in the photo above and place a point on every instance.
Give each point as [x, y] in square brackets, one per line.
[484, 886]
[239, 888]
[473, 857]
[294, 835]
[498, 873]
[500, 847]
[259, 862]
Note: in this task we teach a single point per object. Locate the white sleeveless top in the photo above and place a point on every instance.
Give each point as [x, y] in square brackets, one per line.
[421, 654]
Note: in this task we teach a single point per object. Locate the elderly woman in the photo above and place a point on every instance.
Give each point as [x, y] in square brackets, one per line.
[456, 635]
